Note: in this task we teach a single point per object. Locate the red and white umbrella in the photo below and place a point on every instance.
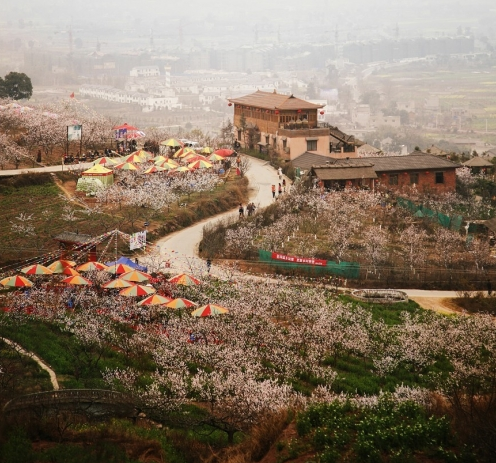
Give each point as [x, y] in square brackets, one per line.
[137, 290]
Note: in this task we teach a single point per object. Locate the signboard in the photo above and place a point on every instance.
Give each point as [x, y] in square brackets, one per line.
[299, 260]
[137, 240]
[74, 132]
[121, 133]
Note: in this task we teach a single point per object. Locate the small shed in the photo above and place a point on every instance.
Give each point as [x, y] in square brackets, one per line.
[477, 164]
[70, 242]
[106, 176]
[345, 175]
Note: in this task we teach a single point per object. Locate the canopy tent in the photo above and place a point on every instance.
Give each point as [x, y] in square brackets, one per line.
[106, 176]
[126, 261]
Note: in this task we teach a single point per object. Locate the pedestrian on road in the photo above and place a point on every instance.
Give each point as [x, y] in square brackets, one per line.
[280, 189]
[241, 211]
[284, 185]
[279, 172]
[209, 265]
[274, 191]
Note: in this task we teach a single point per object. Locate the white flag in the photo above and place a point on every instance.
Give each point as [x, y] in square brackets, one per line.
[137, 240]
[74, 132]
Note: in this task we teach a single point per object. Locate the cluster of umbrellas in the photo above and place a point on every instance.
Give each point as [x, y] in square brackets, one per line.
[130, 282]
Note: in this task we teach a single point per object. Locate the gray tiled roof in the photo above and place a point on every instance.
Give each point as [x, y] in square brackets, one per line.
[72, 237]
[307, 160]
[414, 161]
[344, 173]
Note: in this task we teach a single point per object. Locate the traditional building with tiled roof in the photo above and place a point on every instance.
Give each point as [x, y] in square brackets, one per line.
[287, 126]
[427, 172]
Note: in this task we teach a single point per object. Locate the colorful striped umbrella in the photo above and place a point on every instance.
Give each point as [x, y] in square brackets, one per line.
[207, 150]
[77, 280]
[200, 165]
[126, 166]
[137, 290]
[117, 284]
[59, 265]
[91, 267]
[181, 169]
[134, 158]
[184, 279]
[171, 142]
[136, 276]
[69, 271]
[180, 303]
[209, 310]
[167, 165]
[104, 160]
[36, 269]
[154, 169]
[155, 299]
[119, 269]
[143, 154]
[159, 158]
[16, 281]
[197, 157]
[215, 157]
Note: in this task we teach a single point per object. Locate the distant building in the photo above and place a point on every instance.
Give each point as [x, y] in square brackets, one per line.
[145, 71]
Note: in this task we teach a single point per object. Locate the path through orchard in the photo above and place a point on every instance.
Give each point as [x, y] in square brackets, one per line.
[181, 248]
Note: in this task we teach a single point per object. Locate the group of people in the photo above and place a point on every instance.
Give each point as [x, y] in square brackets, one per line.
[280, 189]
[250, 209]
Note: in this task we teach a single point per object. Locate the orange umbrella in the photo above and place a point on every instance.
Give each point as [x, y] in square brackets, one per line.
[184, 279]
[209, 310]
[136, 276]
[36, 269]
[154, 169]
[215, 157]
[167, 165]
[91, 267]
[180, 303]
[114, 284]
[134, 158]
[59, 265]
[16, 281]
[137, 290]
[224, 152]
[197, 157]
[77, 280]
[155, 299]
[119, 269]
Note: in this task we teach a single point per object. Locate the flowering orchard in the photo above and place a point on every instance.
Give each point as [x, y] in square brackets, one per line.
[392, 245]
[281, 345]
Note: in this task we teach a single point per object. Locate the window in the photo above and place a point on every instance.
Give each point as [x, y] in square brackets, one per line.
[284, 143]
[311, 145]
[239, 134]
[267, 139]
[439, 177]
[393, 179]
[414, 178]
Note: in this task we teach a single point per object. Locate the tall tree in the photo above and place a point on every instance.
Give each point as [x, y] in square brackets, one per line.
[16, 85]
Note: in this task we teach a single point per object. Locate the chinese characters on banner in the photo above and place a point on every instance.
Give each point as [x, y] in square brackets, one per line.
[299, 260]
[137, 240]
[74, 132]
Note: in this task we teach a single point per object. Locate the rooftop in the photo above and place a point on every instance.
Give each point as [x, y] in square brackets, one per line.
[273, 100]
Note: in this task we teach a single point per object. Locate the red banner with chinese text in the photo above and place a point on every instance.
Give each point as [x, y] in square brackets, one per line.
[299, 260]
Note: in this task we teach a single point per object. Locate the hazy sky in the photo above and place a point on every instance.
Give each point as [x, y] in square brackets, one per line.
[241, 21]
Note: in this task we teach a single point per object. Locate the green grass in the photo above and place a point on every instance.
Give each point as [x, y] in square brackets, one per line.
[385, 433]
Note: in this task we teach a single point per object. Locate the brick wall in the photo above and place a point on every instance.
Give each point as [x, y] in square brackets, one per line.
[426, 180]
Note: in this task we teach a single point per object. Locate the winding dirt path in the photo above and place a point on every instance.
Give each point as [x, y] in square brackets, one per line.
[41, 363]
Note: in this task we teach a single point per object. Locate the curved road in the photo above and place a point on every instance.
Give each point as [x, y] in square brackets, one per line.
[181, 247]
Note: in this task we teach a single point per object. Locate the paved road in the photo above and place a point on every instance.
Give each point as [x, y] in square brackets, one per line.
[57, 168]
[181, 247]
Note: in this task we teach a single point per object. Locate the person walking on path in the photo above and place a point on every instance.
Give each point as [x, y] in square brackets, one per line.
[209, 265]
[284, 185]
[274, 191]
[279, 172]
[280, 189]
[241, 211]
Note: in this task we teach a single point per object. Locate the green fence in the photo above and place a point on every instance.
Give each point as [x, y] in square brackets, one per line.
[454, 222]
[342, 269]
